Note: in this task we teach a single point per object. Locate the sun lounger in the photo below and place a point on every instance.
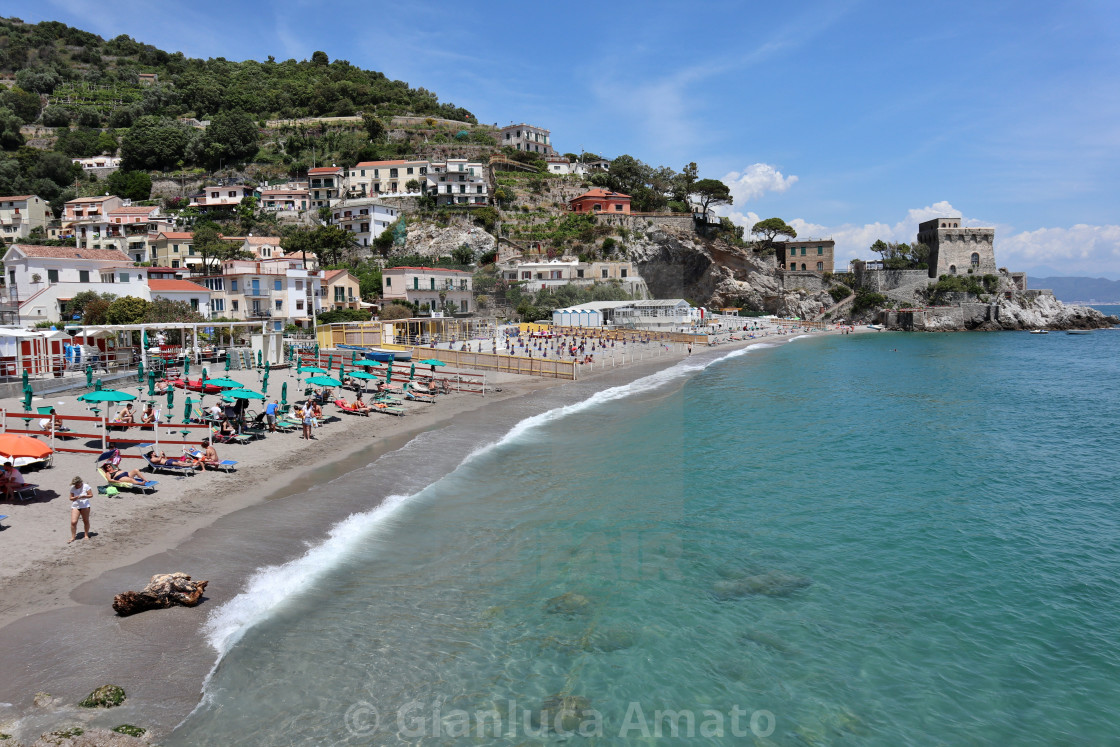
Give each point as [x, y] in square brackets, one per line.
[226, 465]
[178, 467]
[235, 438]
[2, 517]
[341, 404]
[417, 396]
[150, 485]
[26, 491]
[386, 409]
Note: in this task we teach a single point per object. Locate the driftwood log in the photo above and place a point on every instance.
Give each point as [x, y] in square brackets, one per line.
[164, 590]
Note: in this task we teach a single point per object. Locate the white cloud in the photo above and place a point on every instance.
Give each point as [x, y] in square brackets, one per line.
[755, 181]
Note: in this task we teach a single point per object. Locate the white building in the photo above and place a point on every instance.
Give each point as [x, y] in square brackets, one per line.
[654, 315]
[365, 218]
[193, 294]
[41, 279]
[20, 213]
[278, 290]
[263, 247]
[325, 185]
[128, 228]
[227, 196]
[372, 178]
[553, 273]
[98, 162]
[458, 181]
[527, 137]
[424, 287]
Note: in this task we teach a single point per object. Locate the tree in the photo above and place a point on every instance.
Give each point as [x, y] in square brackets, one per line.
[320, 59]
[135, 185]
[166, 311]
[56, 116]
[375, 128]
[211, 247]
[412, 185]
[88, 305]
[127, 310]
[770, 229]
[899, 256]
[395, 311]
[682, 187]
[154, 143]
[38, 79]
[463, 255]
[24, 104]
[231, 137]
[711, 192]
[10, 136]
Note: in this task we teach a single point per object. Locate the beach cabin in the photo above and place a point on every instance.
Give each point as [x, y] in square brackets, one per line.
[577, 316]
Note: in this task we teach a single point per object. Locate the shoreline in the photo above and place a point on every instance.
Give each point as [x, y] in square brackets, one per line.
[166, 684]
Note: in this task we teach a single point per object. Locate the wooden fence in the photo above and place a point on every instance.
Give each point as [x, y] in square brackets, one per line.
[88, 428]
[517, 364]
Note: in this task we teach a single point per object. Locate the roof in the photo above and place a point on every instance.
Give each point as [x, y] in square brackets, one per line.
[261, 240]
[599, 193]
[325, 170]
[69, 252]
[134, 210]
[15, 198]
[430, 269]
[176, 286]
[93, 199]
[367, 164]
[176, 234]
[330, 275]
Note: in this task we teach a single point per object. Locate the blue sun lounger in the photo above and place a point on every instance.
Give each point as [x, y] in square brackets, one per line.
[226, 465]
[172, 469]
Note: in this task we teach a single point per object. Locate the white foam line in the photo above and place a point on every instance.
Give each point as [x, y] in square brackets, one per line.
[271, 586]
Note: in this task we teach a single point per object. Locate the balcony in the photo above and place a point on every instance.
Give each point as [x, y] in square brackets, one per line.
[257, 292]
[259, 313]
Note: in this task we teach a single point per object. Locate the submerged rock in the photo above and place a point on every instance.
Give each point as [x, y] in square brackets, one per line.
[562, 713]
[769, 640]
[771, 584]
[568, 603]
[164, 590]
[609, 639]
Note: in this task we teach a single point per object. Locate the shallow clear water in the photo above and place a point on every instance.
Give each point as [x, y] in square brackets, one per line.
[877, 539]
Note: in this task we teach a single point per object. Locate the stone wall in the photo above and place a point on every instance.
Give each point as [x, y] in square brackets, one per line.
[810, 281]
[954, 248]
[898, 285]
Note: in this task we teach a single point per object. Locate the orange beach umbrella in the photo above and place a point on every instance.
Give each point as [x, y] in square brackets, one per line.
[14, 446]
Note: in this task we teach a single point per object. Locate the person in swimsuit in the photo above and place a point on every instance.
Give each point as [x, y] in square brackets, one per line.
[80, 493]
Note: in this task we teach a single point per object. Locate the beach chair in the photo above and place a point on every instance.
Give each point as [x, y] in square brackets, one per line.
[341, 404]
[217, 437]
[2, 517]
[26, 491]
[417, 396]
[226, 465]
[387, 409]
[179, 468]
[149, 486]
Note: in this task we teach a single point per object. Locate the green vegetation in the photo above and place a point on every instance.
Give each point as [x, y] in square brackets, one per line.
[768, 231]
[395, 311]
[977, 286]
[134, 185]
[866, 299]
[898, 256]
[130, 730]
[533, 307]
[839, 292]
[344, 315]
[106, 696]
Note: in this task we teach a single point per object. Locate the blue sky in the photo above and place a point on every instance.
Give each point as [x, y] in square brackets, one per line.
[853, 120]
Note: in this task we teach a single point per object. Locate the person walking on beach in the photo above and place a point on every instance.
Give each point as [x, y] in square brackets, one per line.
[690, 348]
[270, 415]
[80, 493]
[308, 420]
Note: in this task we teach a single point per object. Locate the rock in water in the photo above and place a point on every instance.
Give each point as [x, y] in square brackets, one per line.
[562, 713]
[771, 583]
[568, 603]
[106, 696]
[164, 590]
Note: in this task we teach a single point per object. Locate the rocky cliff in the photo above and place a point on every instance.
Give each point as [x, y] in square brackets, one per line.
[1018, 312]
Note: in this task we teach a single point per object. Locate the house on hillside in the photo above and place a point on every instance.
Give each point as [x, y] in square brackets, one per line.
[262, 247]
[193, 294]
[424, 287]
[41, 279]
[364, 218]
[528, 138]
[21, 213]
[458, 181]
[173, 249]
[279, 291]
[371, 178]
[91, 208]
[284, 199]
[325, 185]
[223, 197]
[553, 273]
[341, 290]
[806, 255]
[128, 228]
[599, 200]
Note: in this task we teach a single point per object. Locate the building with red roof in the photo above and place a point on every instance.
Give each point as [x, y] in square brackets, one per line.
[20, 213]
[190, 293]
[599, 200]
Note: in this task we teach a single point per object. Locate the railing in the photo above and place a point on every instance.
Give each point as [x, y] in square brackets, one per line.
[260, 313]
[258, 292]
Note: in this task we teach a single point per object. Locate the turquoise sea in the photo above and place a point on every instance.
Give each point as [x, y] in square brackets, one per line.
[879, 539]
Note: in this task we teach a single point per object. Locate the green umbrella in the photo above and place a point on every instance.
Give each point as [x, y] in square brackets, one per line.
[432, 362]
[324, 381]
[366, 362]
[89, 375]
[107, 395]
[341, 370]
[316, 351]
[170, 397]
[140, 372]
[187, 366]
[363, 375]
[25, 378]
[260, 358]
[97, 385]
[353, 357]
[299, 366]
[242, 394]
[144, 338]
[315, 370]
[27, 398]
[187, 410]
[412, 372]
[330, 362]
[151, 383]
[227, 359]
[225, 383]
[388, 373]
[284, 393]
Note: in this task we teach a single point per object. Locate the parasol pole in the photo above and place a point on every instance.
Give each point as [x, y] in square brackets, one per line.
[105, 430]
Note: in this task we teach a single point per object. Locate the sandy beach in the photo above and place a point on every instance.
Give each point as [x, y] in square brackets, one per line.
[61, 635]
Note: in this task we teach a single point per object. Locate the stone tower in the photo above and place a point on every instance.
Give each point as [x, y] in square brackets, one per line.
[954, 250]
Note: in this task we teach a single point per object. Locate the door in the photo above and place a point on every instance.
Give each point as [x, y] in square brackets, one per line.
[256, 286]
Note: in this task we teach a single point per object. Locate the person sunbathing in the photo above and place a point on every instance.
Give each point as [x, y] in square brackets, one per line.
[209, 456]
[162, 458]
[118, 474]
[357, 405]
[227, 430]
[125, 415]
[161, 386]
[148, 416]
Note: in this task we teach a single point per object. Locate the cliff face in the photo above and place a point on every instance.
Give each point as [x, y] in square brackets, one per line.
[714, 273]
[1019, 312]
[429, 240]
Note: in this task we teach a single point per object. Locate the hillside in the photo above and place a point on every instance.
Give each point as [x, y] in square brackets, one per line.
[1070, 289]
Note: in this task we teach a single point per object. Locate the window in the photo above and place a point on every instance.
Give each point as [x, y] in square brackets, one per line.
[623, 271]
[339, 295]
[175, 248]
[409, 171]
[466, 305]
[388, 282]
[194, 304]
[174, 263]
[975, 259]
[83, 276]
[233, 287]
[392, 173]
[234, 304]
[820, 250]
[277, 285]
[604, 271]
[299, 304]
[579, 273]
[803, 267]
[952, 269]
[12, 277]
[279, 304]
[433, 281]
[820, 266]
[52, 276]
[618, 207]
[416, 284]
[803, 250]
[124, 277]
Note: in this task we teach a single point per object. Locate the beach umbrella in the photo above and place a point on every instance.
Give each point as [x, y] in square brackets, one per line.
[366, 362]
[186, 366]
[341, 370]
[315, 370]
[140, 372]
[25, 378]
[97, 385]
[187, 406]
[330, 361]
[353, 357]
[284, 393]
[27, 393]
[363, 375]
[151, 383]
[224, 383]
[107, 395]
[144, 338]
[170, 397]
[432, 362]
[388, 373]
[242, 394]
[412, 372]
[299, 366]
[89, 375]
[324, 381]
[16, 447]
[316, 351]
